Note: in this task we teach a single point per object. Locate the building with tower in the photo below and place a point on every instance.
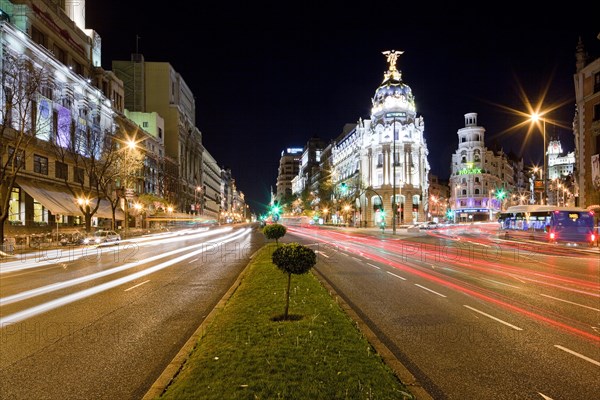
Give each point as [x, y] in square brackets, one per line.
[380, 167]
[480, 179]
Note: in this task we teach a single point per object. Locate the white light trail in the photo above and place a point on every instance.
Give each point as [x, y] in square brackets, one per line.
[51, 257]
[105, 286]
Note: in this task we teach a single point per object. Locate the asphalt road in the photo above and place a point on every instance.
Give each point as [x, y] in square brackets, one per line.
[470, 315]
[104, 323]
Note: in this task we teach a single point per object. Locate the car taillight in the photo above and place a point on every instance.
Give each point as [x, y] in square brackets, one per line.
[593, 237]
[552, 235]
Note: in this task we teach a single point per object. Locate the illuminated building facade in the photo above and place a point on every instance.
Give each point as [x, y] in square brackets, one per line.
[289, 166]
[586, 128]
[479, 177]
[65, 110]
[157, 87]
[381, 163]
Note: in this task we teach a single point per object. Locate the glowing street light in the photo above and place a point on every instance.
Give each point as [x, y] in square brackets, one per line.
[535, 118]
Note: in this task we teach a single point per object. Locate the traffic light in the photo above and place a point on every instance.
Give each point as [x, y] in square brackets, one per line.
[500, 194]
[450, 214]
[275, 210]
[343, 187]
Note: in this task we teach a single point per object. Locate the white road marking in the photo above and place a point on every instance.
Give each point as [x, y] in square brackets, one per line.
[139, 284]
[397, 276]
[321, 253]
[545, 397]
[374, 266]
[570, 302]
[432, 291]
[357, 259]
[195, 259]
[494, 318]
[578, 355]
[499, 283]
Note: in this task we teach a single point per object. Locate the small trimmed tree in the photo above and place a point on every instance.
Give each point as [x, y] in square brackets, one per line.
[274, 231]
[293, 258]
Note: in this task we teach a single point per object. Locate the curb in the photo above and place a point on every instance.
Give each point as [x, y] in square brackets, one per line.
[172, 370]
[408, 379]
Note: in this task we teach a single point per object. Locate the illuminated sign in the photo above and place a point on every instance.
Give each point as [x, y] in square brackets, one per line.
[396, 115]
[469, 171]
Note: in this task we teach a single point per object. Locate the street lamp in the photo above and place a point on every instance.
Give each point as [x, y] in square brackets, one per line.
[394, 176]
[535, 117]
[198, 189]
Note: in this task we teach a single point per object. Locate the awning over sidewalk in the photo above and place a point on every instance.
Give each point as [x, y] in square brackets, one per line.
[60, 202]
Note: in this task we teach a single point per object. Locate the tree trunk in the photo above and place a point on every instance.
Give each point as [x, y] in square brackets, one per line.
[2, 221]
[287, 297]
[88, 222]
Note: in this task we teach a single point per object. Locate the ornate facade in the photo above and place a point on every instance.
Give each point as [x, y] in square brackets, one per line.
[382, 162]
[479, 177]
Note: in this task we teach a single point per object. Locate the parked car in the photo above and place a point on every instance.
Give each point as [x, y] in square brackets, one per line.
[102, 237]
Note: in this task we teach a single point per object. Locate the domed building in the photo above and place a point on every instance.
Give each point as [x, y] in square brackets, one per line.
[386, 156]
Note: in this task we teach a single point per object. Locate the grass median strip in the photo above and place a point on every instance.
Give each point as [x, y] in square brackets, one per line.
[318, 354]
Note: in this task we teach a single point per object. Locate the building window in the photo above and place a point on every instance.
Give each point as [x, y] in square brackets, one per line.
[40, 214]
[597, 82]
[380, 160]
[61, 170]
[15, 208]
[60, 54]
[597, 112]
[78, 175]
[160, 133]
[40, 164]
[476, 191]
[38, 36]
[144, 124]
[18, 160]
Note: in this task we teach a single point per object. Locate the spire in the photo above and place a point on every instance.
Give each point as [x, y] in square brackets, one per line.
[392, 72]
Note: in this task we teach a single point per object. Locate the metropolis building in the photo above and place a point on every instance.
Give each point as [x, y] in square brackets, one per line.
[381, 163]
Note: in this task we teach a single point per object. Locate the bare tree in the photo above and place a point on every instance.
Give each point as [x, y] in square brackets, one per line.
[123, 171]
[91, 149]
[23, 115]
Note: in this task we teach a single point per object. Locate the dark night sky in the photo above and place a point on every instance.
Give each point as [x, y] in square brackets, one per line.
[269, 76]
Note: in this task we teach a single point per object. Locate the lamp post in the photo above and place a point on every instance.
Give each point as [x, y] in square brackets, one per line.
[394, 177]
[198, 189]
[535, 117]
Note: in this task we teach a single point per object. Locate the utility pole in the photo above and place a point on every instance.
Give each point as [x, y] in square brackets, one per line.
[394, 177]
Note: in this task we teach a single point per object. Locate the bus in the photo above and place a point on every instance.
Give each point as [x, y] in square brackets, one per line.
[550, 223]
